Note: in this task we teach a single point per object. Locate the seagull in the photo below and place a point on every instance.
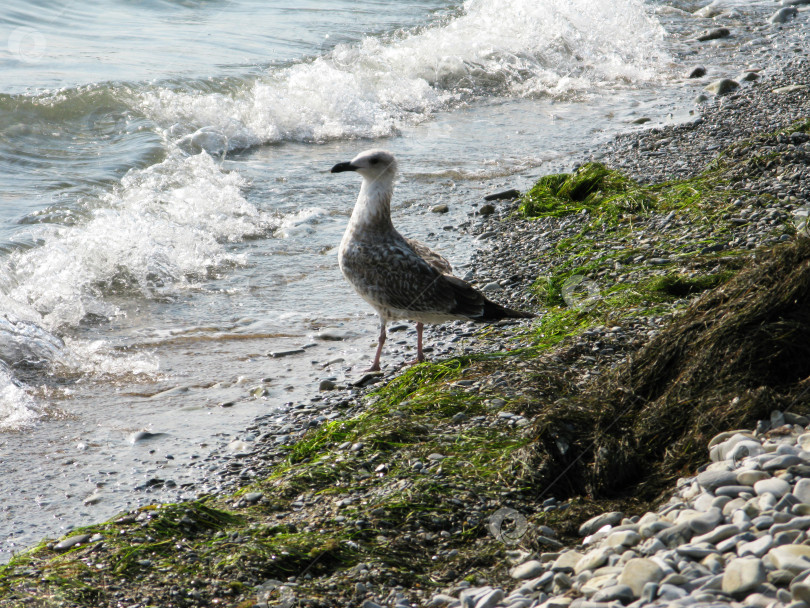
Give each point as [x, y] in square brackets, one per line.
[402, 278]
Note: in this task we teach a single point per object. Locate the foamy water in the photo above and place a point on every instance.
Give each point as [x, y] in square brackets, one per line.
[375, 87]
[169, 218]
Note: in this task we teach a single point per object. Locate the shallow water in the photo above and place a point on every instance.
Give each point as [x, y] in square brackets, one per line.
[168, 218]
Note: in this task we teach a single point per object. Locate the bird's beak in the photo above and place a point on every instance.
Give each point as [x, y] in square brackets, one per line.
[341, 167]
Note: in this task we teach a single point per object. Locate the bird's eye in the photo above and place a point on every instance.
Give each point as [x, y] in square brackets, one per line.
[374, 161]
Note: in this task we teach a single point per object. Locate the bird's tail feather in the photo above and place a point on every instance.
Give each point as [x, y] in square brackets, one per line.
[495, 312]
[474, 305]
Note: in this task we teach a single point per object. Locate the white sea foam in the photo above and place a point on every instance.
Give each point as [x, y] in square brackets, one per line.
[17, 408]
[29, 350]
[300, 223]
[370, 89]
[161, 230]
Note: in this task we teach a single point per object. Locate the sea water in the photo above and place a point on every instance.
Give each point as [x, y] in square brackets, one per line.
[168, 219]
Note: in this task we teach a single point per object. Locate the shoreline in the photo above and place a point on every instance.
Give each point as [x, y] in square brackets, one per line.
[474, 392]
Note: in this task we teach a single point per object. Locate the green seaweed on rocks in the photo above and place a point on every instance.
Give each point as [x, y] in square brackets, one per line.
[401, 491]
[590, 186]
[739, 351]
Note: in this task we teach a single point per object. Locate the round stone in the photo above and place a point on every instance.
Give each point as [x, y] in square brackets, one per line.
[623, 538]
[722, 86]
[593, 559]
[705, 522]
[638, 572]
[802, 490]
[756, 548]
[614, 593]
[750, 477]
[800, 589]
[794, 558]
[605, 519]
[775, 486]
[566, 561]
[742, 575]
[529, 569]
[711, 480]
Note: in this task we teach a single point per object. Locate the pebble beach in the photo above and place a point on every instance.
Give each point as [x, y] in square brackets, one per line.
[363, 495]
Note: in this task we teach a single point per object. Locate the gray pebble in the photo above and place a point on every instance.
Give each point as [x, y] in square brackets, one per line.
[71, 542]
[530, 569]
[722, 86]
[327, 385]
[606, 519]
[783, 15]
[711, 480]
[614, 593]
[720, 32]
[743, 575]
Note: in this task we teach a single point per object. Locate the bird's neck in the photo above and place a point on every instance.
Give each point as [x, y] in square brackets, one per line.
[372, 212]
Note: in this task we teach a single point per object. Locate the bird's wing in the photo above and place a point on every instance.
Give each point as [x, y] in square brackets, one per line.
[472, 304]
[431, 257]
[390, 276]
[393, 276]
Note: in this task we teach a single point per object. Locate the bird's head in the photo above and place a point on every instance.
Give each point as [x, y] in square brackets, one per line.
[371, 164]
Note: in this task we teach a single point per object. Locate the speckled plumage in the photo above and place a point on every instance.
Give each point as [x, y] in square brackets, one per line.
[401, 278]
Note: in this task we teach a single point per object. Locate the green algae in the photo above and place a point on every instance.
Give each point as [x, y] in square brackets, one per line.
[409, 420]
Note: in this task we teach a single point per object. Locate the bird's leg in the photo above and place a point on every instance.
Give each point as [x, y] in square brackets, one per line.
[375, 367]
[420, 356]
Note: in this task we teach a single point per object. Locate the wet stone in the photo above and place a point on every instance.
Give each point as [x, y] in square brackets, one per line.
[783, 15]
[327, 385]
[276, 354]
[252, 498]
[71, 542]
[722, 86]
[713, 34]
[697, 72]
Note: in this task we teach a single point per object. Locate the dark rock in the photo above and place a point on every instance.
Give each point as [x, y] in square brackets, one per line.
[722, 86]
[720, 32]
[505, 195]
